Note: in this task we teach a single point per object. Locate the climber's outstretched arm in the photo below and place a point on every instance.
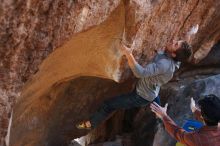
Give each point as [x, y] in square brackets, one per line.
[131, 60]
[151, 69]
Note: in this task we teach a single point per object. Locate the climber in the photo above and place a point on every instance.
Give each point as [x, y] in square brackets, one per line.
[208, 135]
[151, 77]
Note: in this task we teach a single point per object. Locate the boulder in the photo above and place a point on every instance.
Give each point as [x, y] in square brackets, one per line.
[61, 58]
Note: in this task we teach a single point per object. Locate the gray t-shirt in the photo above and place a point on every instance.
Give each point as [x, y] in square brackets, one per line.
[158, 72]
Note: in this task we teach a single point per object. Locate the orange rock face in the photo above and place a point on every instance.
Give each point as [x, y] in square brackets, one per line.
[47, 45]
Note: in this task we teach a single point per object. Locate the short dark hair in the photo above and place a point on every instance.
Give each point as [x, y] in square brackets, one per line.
[210, 109]
[184, 52]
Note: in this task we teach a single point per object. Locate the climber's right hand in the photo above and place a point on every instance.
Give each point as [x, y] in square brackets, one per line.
[124, 49]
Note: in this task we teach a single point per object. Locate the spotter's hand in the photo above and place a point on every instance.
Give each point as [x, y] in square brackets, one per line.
[193, 105]
[158, 110]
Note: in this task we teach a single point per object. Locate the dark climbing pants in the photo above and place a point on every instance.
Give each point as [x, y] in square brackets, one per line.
[125, 101]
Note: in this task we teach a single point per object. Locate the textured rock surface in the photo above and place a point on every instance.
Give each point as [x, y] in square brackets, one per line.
[47, 44]
[30, 31]
[84, 54]
[53, 122]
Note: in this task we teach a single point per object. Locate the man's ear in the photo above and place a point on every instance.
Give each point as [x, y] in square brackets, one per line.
[173, 54]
